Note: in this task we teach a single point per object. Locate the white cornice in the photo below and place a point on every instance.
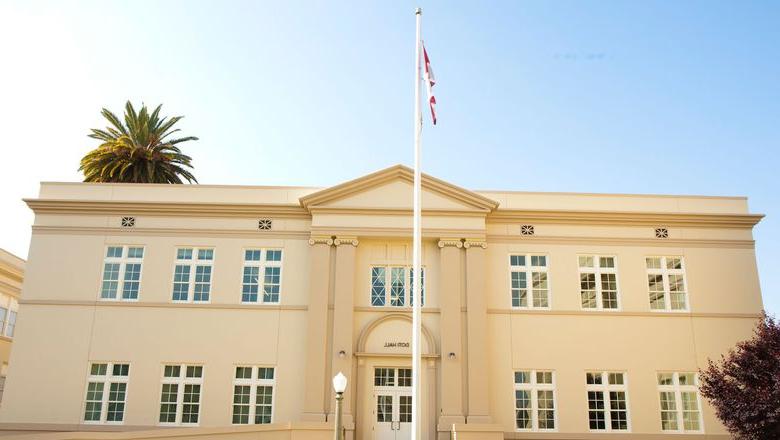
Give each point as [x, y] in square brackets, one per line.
[624, 218]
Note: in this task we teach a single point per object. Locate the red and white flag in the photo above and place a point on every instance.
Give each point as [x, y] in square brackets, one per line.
[430, 81]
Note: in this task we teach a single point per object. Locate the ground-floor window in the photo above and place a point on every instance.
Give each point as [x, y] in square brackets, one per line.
[679, 398]
[180, 395]
[253, 395]
[535, 400]
[607, 401]
[106, 392]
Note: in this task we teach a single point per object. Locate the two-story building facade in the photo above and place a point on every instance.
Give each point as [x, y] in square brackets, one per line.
[545, 315]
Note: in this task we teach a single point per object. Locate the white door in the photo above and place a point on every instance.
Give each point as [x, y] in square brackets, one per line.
[392, 403]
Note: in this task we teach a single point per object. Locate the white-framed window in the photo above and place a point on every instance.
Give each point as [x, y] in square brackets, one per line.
[599, 282]
[122, 273]
[666, 283]
[10, 326]
[607, 401]
[253, 395]
[192, 274]
[535, 400]
[678, 394]
[393, 286]
[262, 277]
[529, 281]
[3, 318]
[106, 395]
[181, 394]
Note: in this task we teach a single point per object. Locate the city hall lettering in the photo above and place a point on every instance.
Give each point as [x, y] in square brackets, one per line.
[396, 344]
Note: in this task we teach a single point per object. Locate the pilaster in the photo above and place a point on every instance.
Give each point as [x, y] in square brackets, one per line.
[450, 284]
[343, 319]
[317, 330]
[476, 333]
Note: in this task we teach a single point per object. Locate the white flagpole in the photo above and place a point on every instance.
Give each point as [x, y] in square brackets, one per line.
[416, 370]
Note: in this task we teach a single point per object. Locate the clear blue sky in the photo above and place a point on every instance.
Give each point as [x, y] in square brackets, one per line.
[593, 96]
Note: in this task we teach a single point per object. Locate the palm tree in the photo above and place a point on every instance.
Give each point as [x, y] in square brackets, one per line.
[137, 151]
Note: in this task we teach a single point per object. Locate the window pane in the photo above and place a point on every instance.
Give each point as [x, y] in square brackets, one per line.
[519, 289]
[606, 262]
[110, 280]
[397, 286]
[596, 415]
[202, 283]
[194, 371]
[94, 402]
[384, 377]
[263, 404]
[539, 282]
[241, 397]
[377, 286]
[273, 255]
[181, 282]
[665, 379]
[405, 409]
[172, 371]
[546, 405]
[523, 409]
[132, 282]
[190, 403]
[170, 392]
[252, 255]
[205, 254]
[98, 369]
[673, 263]
[114, 252]
[655, 284]
[544, 377]
[593, 378]
[687, 379]
[116, 402]
[609, 298]
[615, 378]
[121, 370]
[404, 377]
[271, 284]
[265, 373]
[135, 252]
[538, 260]
[585, 261]
[653, 262]
[522, 377]
[618, 413]
[250, 284]
[243, 372]
[184, 254]
[517, 260]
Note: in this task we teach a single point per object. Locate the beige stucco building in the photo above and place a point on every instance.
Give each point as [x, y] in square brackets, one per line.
[546, 315]
[11, 276]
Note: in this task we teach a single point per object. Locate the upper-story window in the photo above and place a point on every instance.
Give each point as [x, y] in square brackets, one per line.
[598, 282]
[106, 393]
[262, 273]
[122, 273]
[10, 326]
[192, 274]
[666, 283]
[535, 400]
[529, 281]
[680, 403]
[607, 401]
[392, 286]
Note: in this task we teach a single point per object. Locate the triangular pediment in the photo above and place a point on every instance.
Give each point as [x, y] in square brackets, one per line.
[392, 188]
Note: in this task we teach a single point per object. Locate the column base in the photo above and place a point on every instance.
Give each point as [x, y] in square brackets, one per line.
[314, 417]
[446, 422]
[479, 419]
[478, 431]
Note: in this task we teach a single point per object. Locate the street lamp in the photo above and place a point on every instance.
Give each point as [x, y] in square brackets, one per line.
[339, 386]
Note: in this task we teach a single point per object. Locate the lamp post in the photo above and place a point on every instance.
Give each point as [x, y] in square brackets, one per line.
[339, 386]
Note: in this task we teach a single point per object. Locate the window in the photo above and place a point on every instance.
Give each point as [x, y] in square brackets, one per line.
[607, 401]
[535, 400]
[680, 404]
[11, 324]
[525, 268]
[598, 282]
[106, 393]
[3, 314]
[392, 286]
[253, 395]
[180, 396]
[192, 274]
[267, 262]
[122, 273]
[666, 283]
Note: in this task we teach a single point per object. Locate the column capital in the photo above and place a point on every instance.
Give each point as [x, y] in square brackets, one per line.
[320, 239]
[457, 242]
[475, 243]
[346, 240]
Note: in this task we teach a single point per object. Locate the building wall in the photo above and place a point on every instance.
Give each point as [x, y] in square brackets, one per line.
[11, 276]
[474, 340]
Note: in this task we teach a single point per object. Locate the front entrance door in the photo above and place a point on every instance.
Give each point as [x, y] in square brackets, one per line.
[392, 403]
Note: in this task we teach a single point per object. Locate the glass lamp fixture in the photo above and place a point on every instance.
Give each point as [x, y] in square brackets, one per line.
[339, 383]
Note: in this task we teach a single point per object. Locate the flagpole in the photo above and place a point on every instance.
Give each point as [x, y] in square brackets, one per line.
[416, 370]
